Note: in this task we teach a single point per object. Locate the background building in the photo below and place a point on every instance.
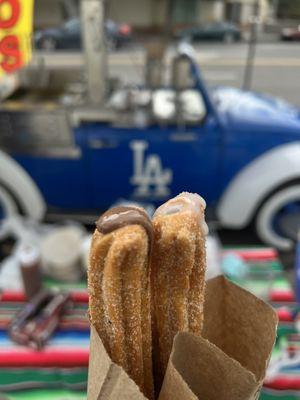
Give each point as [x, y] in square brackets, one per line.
[288, 9]
[53, 12]
[151, 14]
[241, 11]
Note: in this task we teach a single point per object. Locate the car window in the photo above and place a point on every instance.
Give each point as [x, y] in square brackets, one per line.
[213, 26]
[228, 25]
[217, 27]
[223, 25]
[73, 26]
[207, 28]
[193, 106]
[190, 105]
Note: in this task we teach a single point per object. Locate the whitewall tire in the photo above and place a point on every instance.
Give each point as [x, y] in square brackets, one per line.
[8, 208]
[273, 210]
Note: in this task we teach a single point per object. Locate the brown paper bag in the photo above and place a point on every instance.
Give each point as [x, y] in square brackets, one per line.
[106, 380]
[228, 363]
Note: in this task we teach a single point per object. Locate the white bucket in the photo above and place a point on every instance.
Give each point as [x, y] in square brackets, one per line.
[61, 253]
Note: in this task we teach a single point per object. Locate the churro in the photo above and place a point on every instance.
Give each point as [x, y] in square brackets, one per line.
[177, 273]
[119, 291]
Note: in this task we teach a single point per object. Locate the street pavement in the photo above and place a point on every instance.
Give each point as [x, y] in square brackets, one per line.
[276, 66]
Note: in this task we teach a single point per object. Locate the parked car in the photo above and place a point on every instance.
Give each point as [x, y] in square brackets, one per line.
[290, 34]
[68, 36]
[218, 31]
[239, 150]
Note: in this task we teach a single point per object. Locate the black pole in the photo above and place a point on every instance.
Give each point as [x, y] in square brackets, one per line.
[249, 69]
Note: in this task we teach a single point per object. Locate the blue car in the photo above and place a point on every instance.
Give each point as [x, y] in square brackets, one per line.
[68, 36]
[239, 150]
[218, 31]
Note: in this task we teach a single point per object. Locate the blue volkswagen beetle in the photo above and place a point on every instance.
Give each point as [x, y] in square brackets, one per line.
[239, 150]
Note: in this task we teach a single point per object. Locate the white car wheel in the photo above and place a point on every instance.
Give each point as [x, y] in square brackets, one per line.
[278, 220]
[8, 208]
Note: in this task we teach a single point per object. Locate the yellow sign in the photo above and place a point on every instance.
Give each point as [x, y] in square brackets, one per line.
[15, 34]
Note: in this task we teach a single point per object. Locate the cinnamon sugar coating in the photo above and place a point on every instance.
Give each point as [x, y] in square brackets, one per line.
[119, 300]
[178, 280]
[140, 299]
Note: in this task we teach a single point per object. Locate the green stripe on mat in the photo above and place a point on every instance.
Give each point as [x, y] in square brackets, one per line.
[14, 378]
[51, 283]
[272, 266]
[279, 394]
[46, 395]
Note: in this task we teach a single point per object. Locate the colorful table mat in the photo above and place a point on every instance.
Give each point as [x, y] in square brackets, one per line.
[14, 379]
[266, 279]
[47, 394]
[59, 372]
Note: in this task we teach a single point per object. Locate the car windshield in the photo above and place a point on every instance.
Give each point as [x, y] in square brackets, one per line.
[219, 25]
[72, 25]
[213, 26]
[207, 27]
[226, 25]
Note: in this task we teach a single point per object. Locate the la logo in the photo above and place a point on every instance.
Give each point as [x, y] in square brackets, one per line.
[149, 177]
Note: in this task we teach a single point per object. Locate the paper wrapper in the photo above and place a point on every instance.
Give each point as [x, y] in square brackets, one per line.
[228, 363]
[107, 380]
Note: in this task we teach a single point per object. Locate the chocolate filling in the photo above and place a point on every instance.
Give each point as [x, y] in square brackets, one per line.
[119, 217]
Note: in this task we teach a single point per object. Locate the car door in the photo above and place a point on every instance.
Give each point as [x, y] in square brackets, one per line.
[72, 35]
[216, 32]
[153, 163]
[191, 147]
[203, 33]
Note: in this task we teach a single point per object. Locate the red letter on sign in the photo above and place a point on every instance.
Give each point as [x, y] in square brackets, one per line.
[10, 51]
[14, 15]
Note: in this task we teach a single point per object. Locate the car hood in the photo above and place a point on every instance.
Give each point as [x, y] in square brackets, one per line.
[251, 108]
